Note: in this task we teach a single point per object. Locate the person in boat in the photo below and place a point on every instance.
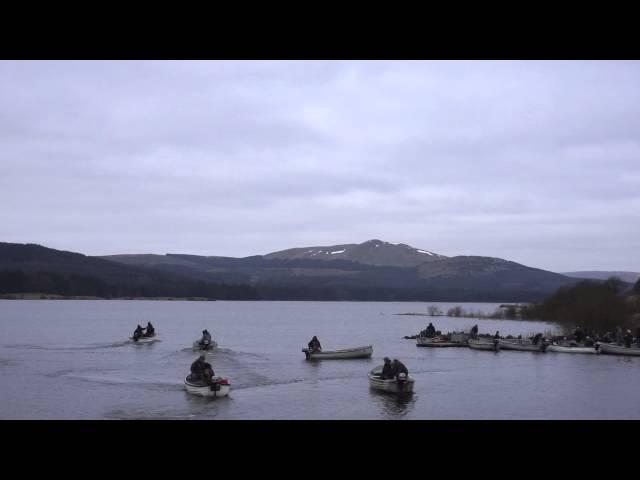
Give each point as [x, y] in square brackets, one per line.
[138, 333]
[387, 369]
[398, 367]
[536, 338]
[206, 337]
[628, 338]
[474, 331]
[314, 345]
[201, 370]
[497, 335]
[431, 331]
[589, 342]
[150, 330]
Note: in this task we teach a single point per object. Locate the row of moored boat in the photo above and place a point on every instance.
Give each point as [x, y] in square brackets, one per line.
[525, 345]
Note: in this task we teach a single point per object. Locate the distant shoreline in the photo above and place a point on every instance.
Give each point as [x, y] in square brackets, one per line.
[44, 296]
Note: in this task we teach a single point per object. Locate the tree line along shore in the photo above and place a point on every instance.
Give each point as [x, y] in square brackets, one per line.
[596, 307]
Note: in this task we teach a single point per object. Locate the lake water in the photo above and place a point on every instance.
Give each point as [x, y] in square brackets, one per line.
[71, 360]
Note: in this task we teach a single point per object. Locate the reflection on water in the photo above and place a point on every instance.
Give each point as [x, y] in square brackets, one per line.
[393, 405]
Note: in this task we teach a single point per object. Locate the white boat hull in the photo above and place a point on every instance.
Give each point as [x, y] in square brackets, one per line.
[197, 347]
[145, 340]
[522, 347]
[482, 345]
[436, 342]
[612, 349]
[565, 349]
[215, 390]
[391, 385]
[348, 353]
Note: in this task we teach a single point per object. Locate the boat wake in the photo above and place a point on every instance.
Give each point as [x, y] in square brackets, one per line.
[140, 414]
[63, 347]
[5, 362]
[115, 379]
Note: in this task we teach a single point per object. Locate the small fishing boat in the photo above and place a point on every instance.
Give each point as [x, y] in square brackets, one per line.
[437, 342]
[522, 346]
[347, 353]
[204, 346]
[145, 340]
[482, 344]
[218, 387]
[401, 385]
[569, 349]
[613, 349]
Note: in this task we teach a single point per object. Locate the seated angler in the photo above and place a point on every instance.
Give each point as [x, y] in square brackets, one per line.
[387, 369]
[399, 368]
[206, 337]
[474, 331]
[201, 370]
[138, 333]
[150, 330]
[314, 345]
[431, 330]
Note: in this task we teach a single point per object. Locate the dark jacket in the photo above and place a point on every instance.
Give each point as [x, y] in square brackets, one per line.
[314, 344]
[387, 371]
[400, 368]
[150, 329]
[199, 367]
[431, 331]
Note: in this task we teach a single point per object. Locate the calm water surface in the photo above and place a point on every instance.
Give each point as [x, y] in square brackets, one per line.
[71, 360]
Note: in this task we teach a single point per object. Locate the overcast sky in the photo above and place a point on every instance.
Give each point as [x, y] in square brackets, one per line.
[535, 162]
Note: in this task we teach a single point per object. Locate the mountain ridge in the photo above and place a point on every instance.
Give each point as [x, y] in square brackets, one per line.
[346, 271]
[370, 252]
[383, 271]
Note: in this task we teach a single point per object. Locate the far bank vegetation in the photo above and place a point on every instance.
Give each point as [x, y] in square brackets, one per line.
[595, 306]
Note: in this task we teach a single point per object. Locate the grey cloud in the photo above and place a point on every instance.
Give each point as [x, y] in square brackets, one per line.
[538, 162]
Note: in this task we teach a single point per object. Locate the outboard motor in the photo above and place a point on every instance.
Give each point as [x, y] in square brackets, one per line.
[545, 344]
